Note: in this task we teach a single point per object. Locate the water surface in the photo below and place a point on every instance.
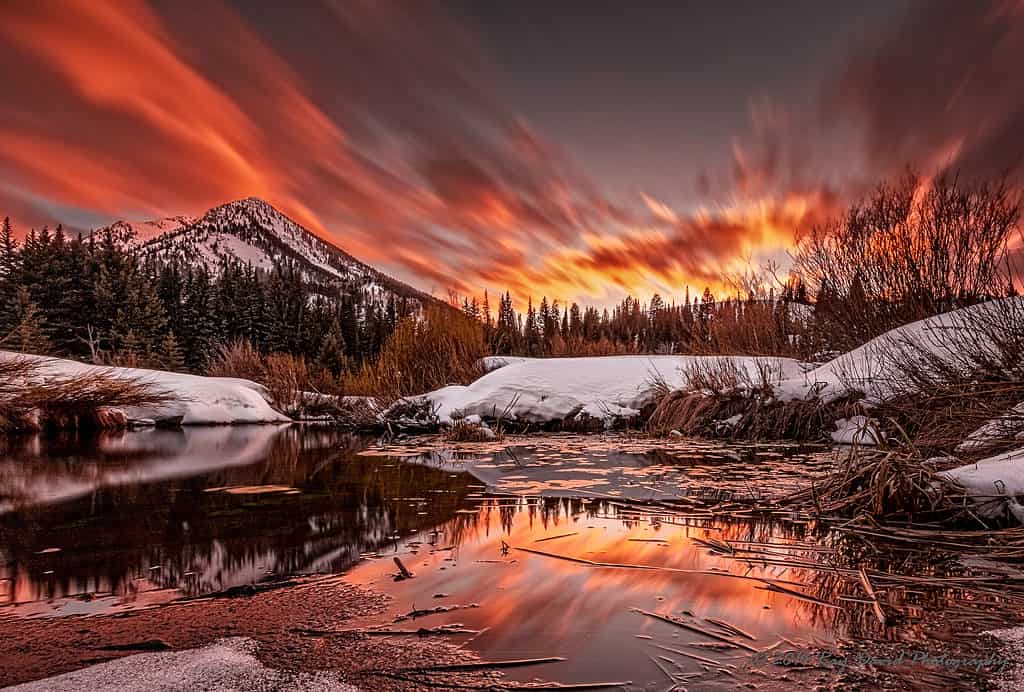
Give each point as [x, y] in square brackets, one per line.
[115, 522]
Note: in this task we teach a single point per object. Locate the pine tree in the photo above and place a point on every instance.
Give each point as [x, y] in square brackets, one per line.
[28, 335]
[8, 249]
[487, 311]
[169, 356]
[332, 356]
[8, 259]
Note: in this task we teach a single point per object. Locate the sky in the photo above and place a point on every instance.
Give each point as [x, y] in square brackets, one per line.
[579, 151]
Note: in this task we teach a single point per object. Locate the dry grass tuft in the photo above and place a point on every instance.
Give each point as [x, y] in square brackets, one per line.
[30, 401]
[744, 417]
[463, 431]
[885, 486]
[439, 348]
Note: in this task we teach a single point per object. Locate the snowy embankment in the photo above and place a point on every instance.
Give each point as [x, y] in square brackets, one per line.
[874, 368]
[195, 400]
[609, 388]
[892, 365]
[541, 390]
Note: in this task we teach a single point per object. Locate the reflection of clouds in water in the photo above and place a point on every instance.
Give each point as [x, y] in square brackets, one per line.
[536, 605]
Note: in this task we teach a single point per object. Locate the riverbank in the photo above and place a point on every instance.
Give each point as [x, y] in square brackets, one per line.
[305, 627]
[41, 393]
[310, 632]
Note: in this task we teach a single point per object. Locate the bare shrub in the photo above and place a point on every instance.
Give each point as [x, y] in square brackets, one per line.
[913, 249]
[424, 353]
[959, 372]
[716, 376]
[238, 359]
[287, 381]
[725, 376]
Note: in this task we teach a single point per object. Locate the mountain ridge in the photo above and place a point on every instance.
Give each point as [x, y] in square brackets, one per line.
[252, 231]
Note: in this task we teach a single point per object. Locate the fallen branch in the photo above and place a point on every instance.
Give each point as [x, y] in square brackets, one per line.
[729, 627]
[801, 596]
[561, 535]
[695, 628]
[876, 607]
[480, 665]
[403, 571]
[657, 568]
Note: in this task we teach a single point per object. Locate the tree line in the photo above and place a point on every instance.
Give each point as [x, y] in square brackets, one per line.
[98, 298]
[909, 250]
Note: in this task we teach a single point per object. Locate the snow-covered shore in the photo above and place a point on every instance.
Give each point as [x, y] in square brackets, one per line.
[609, 388]
[195, 400]
[540, 390]
[871, 369]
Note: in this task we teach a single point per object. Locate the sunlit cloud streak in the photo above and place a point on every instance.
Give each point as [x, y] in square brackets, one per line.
[379, 128]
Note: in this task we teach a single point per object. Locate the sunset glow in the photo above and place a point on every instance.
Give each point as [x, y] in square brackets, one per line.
[391, 130]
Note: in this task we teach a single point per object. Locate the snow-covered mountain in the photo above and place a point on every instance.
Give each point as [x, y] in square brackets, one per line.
[254, 232]
[143, 231]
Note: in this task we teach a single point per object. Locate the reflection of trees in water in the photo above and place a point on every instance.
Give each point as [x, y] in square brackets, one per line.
[548, 511]
[206, 541]
[349, 504]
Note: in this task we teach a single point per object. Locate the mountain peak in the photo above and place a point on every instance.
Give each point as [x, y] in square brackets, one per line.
[252, 231]
[249, 207]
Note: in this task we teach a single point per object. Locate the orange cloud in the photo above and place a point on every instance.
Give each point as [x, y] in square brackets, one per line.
[397, 152]
[703, 249]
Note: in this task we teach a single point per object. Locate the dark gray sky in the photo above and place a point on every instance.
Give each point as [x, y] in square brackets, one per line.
[647, 94]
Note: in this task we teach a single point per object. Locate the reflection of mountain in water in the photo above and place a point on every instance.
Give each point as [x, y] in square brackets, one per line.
[117, 507]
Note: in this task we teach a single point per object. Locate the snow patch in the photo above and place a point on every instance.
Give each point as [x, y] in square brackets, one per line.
[868, 368]
[858, 430]
[995, 483]
[227, 664]
[542, 390]
[1009, 426]
[197, 400]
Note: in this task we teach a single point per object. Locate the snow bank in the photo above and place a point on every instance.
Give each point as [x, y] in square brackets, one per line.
[198, 400]
[995, 483]
[548, 389]
[869, 368]
[540, 390]
[1009, 426]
